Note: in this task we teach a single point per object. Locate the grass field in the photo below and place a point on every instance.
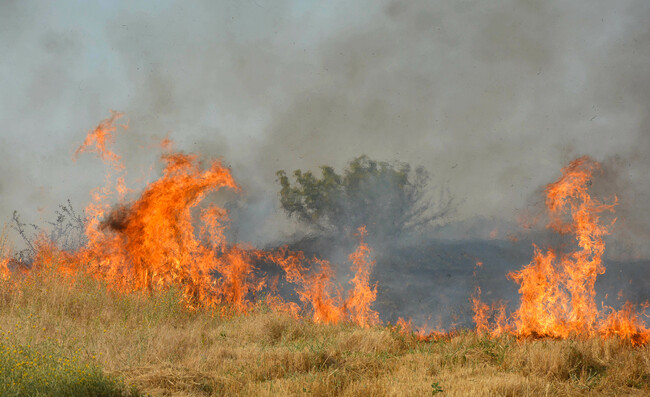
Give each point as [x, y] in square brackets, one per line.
[76, 337]
[63, 332]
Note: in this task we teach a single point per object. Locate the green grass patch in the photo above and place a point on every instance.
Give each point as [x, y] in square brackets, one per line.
[43, 371]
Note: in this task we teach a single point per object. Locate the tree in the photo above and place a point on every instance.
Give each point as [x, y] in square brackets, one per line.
[388, 197]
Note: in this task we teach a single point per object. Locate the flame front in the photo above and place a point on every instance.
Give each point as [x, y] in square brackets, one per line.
[558, 289]
[150, 243]
[362, 295]
[317, 290]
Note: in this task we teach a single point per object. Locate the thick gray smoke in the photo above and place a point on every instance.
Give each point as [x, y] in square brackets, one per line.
[491, 97]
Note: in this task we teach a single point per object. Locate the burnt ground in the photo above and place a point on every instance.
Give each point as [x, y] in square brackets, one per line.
[431, 282]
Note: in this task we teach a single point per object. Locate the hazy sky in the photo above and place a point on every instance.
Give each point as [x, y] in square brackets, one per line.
[492, 96]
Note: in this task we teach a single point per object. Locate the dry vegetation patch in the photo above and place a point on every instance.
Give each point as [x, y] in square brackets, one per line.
[154, 343]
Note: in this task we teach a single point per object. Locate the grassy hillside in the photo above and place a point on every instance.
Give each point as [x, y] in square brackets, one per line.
[93, 339]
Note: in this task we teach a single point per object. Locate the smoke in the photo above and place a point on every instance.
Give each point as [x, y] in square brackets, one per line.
[492, 98]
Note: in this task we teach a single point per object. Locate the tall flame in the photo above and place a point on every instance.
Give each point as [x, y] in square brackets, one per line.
[150, 243]
[317, 288]
[363, 294]
[558, 289]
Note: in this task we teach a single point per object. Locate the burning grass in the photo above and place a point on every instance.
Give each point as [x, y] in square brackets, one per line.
[558, 288]
[151, 242]
[176, 309]
[155, 343]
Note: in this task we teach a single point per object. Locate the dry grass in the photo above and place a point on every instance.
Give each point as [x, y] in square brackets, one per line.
[162, 349]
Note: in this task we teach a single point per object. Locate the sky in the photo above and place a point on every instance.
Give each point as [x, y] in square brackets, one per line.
[492, 98]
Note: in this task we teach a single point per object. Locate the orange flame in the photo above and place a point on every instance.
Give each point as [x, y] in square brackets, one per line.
[313, 288]
[5, 273]
[317, 288]
[557, 290]
[150, 243]
[481, 312]
[362, 295]
[97, 140]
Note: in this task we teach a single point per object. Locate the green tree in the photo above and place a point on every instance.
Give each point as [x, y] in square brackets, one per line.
[389, 198]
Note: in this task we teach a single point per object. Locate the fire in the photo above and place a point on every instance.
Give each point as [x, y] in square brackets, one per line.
[481, 312]
[362, 295]
[165, 238]
[317, 288]
[557, 289]
[150, 243]
[313, 288]
[5, 273]
[98, 140]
